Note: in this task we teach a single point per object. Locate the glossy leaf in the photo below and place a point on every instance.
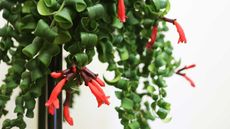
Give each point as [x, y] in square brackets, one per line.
[88, 39]
[97, 11]
[32, 49]
[47, 52]
[162, 113]
[63, 37]
[124, 54]
[79, 5]
[44, 31]
[43, 9]
[81, 59]
[50, 3]
[63, 18]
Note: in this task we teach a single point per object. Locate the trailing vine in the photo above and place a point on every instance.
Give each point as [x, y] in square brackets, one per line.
[37, 30]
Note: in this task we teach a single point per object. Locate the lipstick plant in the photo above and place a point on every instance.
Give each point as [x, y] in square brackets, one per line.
[37, 30]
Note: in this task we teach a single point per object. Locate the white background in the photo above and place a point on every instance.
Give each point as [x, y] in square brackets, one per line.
[206, 23]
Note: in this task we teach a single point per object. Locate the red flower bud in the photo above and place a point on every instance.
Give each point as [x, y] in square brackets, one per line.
[74, 69]
[121, 11]
[66, 113]
[153, 37]
[56, 74]
[180, 31]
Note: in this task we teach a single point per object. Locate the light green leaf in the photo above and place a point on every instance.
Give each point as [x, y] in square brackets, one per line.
[43, 9]
[89, 39]
[50, 3]
[167, 9]
[117, 23]
[148, 115]
[81, 59]
[134, 125]
[162, 113]
[113, 81]
[127, 104]
[150, 89]
[63, 18]
[124, 54]
[80, 5]
[160, 4]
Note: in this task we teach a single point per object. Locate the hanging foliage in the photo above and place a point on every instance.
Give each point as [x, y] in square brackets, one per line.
[36, 30]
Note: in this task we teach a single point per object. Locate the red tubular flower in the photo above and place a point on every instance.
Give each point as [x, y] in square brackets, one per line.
[98, 93]
[51, 109]
[53, 106]
[53, 99]
[98, 87]
[188, 79]
[95, 83]
[185, 76]
[180, 31]
[153, 37]
[67, 116]
[99, 81]
[56, 74]
[94, 76]
[121, 11]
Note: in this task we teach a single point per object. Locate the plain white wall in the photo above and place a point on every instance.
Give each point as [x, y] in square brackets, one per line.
[206, 23]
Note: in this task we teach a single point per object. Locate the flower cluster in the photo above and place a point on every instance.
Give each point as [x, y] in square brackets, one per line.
[185, 76]
[95, 85]
[122, 17]
[91, 80]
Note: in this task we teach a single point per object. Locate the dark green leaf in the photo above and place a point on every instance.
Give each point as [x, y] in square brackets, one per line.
[162, 113]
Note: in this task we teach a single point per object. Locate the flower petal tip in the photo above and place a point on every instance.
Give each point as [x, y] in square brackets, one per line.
[99, 105]
[70, 122]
